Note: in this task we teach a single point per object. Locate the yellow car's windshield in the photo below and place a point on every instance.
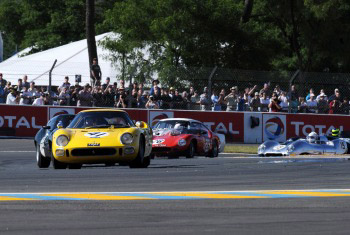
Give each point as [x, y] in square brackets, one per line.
[103, 119]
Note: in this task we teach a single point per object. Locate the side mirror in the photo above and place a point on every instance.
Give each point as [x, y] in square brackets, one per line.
[141, 124]
[60, 125]
[46, 127]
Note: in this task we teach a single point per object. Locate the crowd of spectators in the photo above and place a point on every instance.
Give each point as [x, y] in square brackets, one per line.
[267, 99]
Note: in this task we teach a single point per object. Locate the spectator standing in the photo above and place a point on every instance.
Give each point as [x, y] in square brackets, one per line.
[96, 73]
[277, 90]
[266, 90]
[33, 91]
[195, 101]
[345, 106]
[74, 97]
[85, 97]
[106, 84]
[255, 103]
[216, 101]
[293, 99]
[109, 97]
[335, 95]
[185, 101]
[25, 81]
[2, 95]
[204, 100]
[65, 84]
[322, 104]
[264, 102]
[19, 85]
[64, 97]
[334, 106]
[312, 104]
[302, 108]
[97, 95]
[166, 100]
[142, 100]
[39, 101]
[274, 105]
[155, 86]
[231, 99]
[284, 101]
[3, 82]
[25, 96]
[12, 97]
[177, 100]
[309, 95]
[223, 102]
[322, 93]
[151, 104]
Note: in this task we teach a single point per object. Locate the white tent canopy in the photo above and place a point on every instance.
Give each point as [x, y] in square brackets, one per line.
[72, 59]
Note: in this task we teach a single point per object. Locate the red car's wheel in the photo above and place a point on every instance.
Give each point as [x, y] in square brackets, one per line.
[191, 150]
[215, 150]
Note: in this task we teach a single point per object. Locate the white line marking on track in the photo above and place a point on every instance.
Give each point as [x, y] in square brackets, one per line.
[17, 151]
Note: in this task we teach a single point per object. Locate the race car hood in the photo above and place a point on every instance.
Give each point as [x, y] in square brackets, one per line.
[103, 137]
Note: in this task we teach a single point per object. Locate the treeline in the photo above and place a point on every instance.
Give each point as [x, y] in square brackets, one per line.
[309, 35]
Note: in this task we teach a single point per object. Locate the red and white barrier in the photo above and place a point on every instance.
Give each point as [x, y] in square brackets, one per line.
[247, 127]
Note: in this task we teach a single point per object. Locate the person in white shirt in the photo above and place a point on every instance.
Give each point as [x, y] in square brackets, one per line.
[264, 101]
[12, 97]
[284, 101]
[321, 94]
[312, 104]
[25, 96]
[39, 101]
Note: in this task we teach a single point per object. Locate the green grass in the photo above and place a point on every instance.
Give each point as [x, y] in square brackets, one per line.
[242, 148]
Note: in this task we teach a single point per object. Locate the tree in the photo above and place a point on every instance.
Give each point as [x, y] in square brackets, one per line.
[90, 30]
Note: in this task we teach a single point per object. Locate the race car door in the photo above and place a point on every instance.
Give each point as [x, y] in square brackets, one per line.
[206, 138]
[195, 130]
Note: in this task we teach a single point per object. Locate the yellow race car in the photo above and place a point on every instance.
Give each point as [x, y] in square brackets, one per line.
[106, 136]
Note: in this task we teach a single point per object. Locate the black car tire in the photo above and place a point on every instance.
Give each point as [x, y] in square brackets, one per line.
[43, 162]
[190, 151]
[140, 161]
[215, 150]
[57, 164]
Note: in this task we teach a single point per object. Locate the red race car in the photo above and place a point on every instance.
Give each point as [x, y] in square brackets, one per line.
[174, 137]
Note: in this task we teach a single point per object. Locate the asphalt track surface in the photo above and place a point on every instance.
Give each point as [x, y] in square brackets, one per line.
[321, 207]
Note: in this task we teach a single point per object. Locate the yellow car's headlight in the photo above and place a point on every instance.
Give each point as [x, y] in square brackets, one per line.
[62, 140]
[126, 138]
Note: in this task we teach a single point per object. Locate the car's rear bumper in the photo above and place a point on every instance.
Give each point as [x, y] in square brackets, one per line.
[169, 150]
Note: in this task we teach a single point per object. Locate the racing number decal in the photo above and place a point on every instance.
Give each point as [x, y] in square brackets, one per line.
[96, 134]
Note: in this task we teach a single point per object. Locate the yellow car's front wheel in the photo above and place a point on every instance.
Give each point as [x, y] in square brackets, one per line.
[141, 161]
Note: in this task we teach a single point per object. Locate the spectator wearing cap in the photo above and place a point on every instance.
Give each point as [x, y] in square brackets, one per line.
[106, 84]
[155, 84]
[25, 81]
[322, 104]
[311, 104]
[3, 82]
[204, 100]
[231, 99]
[85, 98]
[109, 97]
[255, 103]
[97, 95]
[96, 73]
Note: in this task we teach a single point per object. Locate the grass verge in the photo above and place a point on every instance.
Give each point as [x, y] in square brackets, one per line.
[241, 148]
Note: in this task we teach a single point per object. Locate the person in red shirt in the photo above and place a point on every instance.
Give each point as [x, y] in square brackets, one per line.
[274, 103]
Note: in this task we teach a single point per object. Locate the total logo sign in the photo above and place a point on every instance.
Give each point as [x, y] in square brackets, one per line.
[156, 116]
[274, 127]
[57, 111]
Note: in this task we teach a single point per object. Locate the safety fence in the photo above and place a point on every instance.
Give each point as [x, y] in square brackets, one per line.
[247, 127]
